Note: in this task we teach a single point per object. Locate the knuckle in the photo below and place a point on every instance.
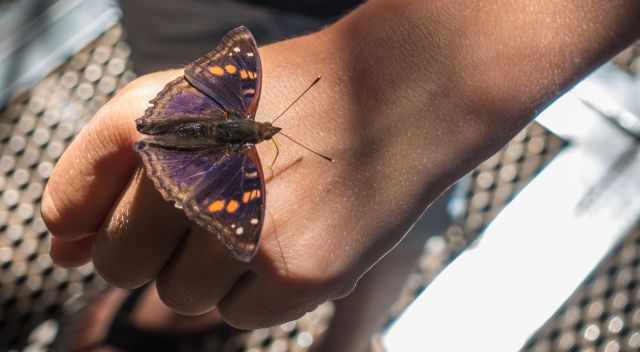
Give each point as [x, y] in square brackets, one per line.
[239, 320]
[115, 274]
[50, 212]
[242, 319]
[285, 299]
[326, 284]
[308, 277]
[180, 299]
[344, 289]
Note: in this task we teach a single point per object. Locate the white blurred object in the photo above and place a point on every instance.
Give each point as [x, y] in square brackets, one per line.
[547, 240]
[39, 35]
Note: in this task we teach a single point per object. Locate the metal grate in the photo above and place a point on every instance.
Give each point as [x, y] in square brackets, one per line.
[603, 314]
[35, 128]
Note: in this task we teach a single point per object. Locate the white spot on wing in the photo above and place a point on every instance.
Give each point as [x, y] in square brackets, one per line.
[239, 231]
[252, 174]
[250, 54]
[236, 49]
[254, 221]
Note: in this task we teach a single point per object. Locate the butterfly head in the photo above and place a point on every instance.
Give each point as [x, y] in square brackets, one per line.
[267, 130]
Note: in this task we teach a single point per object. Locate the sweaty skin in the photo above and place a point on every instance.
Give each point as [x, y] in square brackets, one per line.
[415, 94]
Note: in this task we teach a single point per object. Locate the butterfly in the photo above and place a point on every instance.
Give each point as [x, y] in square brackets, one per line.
[199, 144]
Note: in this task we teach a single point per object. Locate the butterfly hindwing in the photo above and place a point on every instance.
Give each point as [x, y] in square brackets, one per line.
[231, 203]
[222, 192]
[176, 173]
[231, 73]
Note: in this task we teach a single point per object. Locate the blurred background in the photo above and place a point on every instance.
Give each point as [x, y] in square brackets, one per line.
[537, 249]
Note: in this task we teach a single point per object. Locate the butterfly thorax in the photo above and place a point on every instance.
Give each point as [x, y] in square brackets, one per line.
[204, 132]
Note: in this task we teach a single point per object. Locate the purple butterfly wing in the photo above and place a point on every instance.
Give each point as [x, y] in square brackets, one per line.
[231, 73]
[222, 192]
[174, 172]
[179, 98]
[231, 203]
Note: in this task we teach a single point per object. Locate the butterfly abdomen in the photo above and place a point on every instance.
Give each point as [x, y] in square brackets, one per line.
[244, 131]
[180, 132]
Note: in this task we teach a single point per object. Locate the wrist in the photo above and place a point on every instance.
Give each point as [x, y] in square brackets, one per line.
[488, 67]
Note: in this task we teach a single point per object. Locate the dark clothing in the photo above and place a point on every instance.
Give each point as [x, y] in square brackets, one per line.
[169, 34]
[312, 8]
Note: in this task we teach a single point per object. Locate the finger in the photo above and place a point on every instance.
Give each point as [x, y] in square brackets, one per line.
[139, 235]
[258, 301]
[98, 164]
[71, 253]
[199, 275]
[203, 271]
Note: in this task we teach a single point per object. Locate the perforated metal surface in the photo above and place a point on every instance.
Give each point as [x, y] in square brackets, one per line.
[604, 313]
[35, 128]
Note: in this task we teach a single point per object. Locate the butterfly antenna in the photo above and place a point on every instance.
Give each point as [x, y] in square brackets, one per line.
[327, 158]
[315, 81]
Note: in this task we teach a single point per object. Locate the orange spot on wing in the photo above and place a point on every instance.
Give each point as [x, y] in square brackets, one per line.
[246, 197]
[233, 206]
[243, 74]
[231, 69]
[216, 206]
[216, 70]
[255, 194]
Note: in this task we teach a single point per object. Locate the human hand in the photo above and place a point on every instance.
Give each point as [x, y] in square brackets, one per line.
[138, 237]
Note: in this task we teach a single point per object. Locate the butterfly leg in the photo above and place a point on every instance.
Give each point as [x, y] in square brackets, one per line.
[275, 232]
[275, 158]
[273, 172]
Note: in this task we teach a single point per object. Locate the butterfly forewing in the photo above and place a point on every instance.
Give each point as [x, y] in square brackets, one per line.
[231, 73]
[180, 99]
[176, 173]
